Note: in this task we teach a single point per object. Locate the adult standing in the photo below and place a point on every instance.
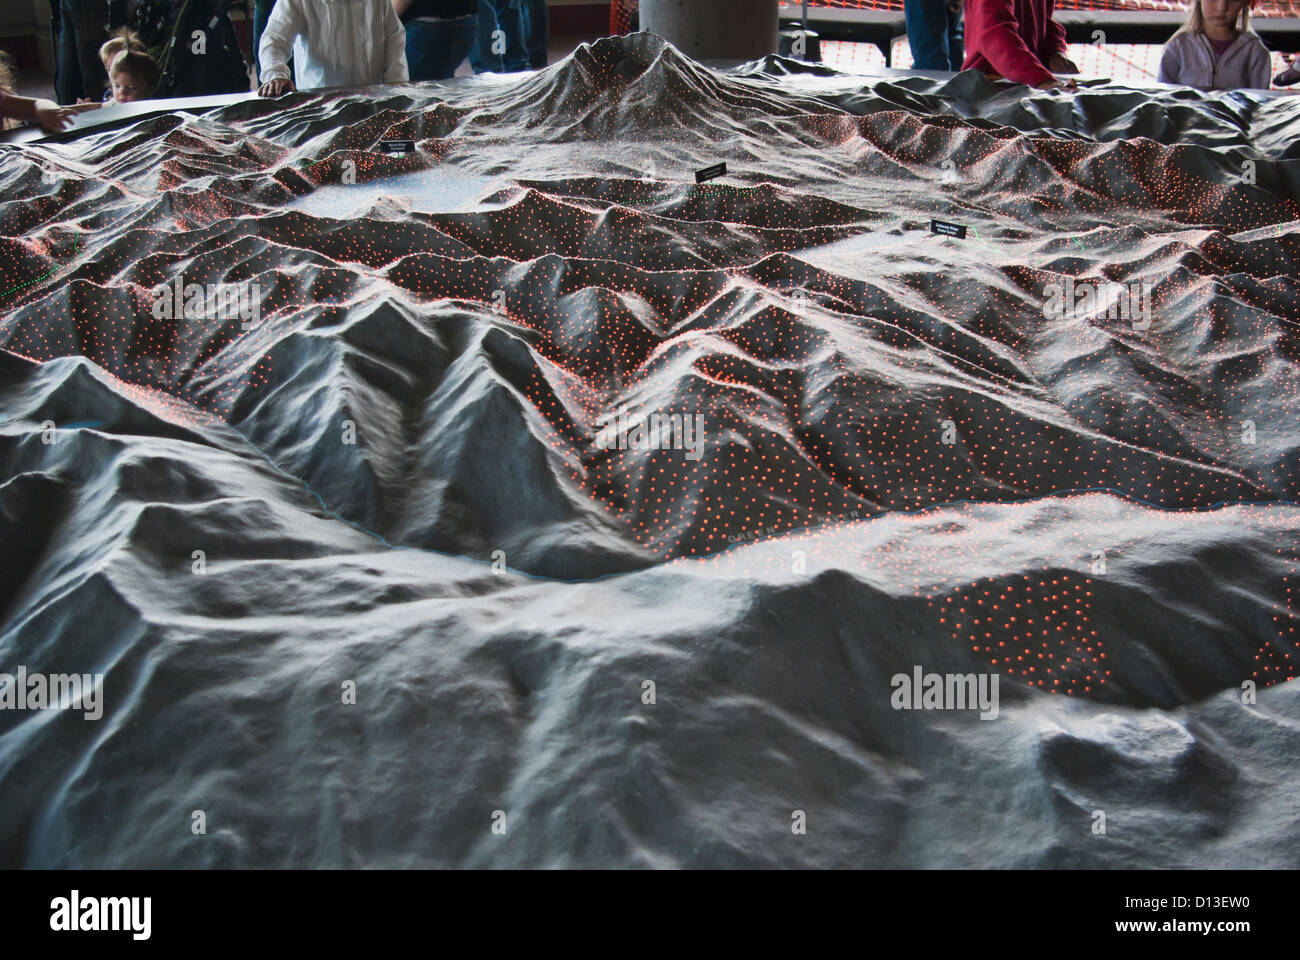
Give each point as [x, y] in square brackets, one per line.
[501, 47]
[261, 13]
[335, 43]
[1018, 40]
[537, 32]
[934, 32]
[83, 29]
[439, 35]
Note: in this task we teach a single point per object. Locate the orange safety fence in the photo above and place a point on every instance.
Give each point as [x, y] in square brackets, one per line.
[620, 16]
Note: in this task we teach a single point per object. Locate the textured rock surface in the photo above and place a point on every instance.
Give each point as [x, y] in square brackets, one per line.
[907, 462]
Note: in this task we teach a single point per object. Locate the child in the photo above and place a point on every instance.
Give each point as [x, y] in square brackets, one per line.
[335, 43]
[132, 73]
[47, 113]
[122, 40]
[1216, 49]
[1017, 39]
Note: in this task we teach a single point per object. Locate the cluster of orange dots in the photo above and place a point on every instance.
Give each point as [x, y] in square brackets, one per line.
[1036, 629]
[1273, 658]
[821, 394]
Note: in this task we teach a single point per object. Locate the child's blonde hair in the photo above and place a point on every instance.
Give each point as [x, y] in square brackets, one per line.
[1195, 22]
[137, 65]
[123, 40]
[8, 80]
[125, 53]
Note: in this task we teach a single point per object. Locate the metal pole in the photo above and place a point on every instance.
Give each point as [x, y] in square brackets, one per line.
[716, 29]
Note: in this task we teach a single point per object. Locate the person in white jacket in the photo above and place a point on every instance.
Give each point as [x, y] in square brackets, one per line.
[335, 43]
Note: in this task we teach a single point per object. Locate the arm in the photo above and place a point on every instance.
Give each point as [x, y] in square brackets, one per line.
[1054, 48]
[285, 23]
[1261, 68]
[401, 6]
[1054, 43]
[395, 68]
[47, 113]
[1001, 42]
[1170, 65]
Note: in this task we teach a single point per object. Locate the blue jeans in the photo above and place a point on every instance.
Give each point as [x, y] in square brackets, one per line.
[83, 27]
[435, 50]
[537, 31]
[934, 32]
[506, 16]
[261, 13]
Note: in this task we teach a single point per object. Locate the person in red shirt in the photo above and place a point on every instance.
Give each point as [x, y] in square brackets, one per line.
[1018, 40]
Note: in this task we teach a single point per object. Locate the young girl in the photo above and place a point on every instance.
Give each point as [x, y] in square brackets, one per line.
[47, 113]
[1216, 49]
[132, 73]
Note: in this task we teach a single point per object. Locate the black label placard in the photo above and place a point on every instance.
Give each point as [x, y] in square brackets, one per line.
[948, 229]
[709, 173]
[397, 146]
